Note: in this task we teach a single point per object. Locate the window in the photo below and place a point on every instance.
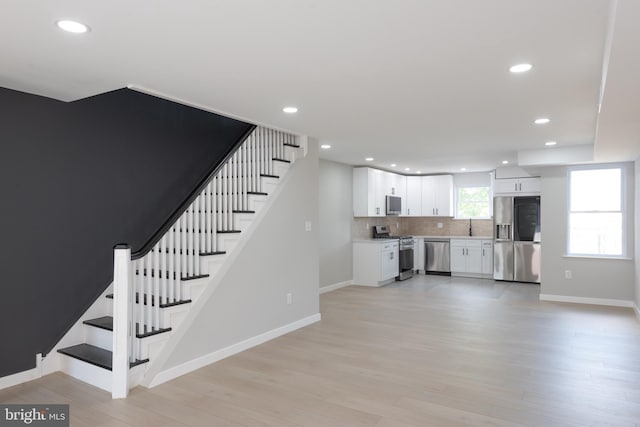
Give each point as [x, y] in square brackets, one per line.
[473, 202]
[596, 212]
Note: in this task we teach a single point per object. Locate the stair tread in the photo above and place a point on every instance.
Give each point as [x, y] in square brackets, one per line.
[106, 322]
[291, 145]
[164, 305]
[266, 175]
[213, 253]
[228, 231]
[281, 160]
[245, 212]
[94, 355]
[259, 193]
[183, 279]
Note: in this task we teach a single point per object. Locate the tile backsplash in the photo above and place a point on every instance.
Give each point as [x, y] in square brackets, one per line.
[422, 226]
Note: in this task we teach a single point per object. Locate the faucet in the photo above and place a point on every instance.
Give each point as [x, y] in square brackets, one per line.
[470, 233]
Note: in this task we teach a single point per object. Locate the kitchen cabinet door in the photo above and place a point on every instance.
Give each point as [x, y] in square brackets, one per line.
[389, 261]
[474, 258]
[487, 257]
[516, 186]
[437, 195]
[444, 195]
[368, 192]
[414, 196]
[458, 255]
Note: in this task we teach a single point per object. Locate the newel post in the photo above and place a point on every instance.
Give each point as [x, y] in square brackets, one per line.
[122, 308]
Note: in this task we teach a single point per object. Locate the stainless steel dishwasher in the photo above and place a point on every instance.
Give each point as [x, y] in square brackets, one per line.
[437, 256]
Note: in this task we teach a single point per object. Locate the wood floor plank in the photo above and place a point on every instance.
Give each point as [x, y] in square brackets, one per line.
[429, 351]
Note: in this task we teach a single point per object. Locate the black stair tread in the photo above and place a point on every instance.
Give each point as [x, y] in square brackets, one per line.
[266, 175]
[281, 160]
[163, 305]
[212, 253]
[95, 355]
[286, 144]
[259, 193]
[238, 211]
[228, 231]
[106, 322]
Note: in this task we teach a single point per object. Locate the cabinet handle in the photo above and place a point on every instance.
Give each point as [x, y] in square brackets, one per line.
[515, 186]
[377, 211]
[521, 187]
[408, 211]
[391, 255]
[482, 251]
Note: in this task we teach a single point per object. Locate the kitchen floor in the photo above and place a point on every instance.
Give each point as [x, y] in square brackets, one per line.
[429, 351]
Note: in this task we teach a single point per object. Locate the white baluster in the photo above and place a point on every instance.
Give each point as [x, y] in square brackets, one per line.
[147, 293]
[173, 254]
[196, 237]
[209, 216]
[215, 207]
[190, 228]
[183, 257]
[157, 273]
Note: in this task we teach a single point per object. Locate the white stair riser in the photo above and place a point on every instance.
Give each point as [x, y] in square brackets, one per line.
[256, 203]
[99, 337]
[280, 168]
[227, 242]
[269, 185]
[291, 153]
[86, 372]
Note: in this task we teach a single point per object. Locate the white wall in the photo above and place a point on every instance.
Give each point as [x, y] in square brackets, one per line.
[592, 278]
[335, 200]
[637, 240]
[279, 257]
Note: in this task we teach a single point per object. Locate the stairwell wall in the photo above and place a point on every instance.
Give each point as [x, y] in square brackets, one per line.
[280, 257]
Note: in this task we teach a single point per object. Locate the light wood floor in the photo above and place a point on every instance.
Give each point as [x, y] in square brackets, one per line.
[431, 351]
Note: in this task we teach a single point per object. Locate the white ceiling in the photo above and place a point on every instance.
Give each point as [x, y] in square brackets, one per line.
[420, 83]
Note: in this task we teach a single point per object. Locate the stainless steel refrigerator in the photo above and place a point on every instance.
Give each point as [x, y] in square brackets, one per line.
[517, 240]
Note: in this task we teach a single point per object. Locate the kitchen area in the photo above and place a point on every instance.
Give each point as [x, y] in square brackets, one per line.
[406, 225]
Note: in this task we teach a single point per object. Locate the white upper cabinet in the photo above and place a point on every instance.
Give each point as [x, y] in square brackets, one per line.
[413, 205]
[516, 186]
[437, 195]
[370, 186]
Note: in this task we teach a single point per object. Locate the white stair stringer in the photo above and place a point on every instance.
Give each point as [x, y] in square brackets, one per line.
[214, 280]
[177, 317]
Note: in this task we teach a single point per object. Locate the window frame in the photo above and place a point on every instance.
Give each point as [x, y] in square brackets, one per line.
[457, 200]
[623, 210]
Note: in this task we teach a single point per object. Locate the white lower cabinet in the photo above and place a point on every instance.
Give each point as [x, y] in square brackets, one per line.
[418, 254]
[375, 263]
[487, 258]
[471, 257]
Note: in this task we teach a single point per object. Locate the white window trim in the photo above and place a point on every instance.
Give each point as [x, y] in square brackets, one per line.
[623, 209]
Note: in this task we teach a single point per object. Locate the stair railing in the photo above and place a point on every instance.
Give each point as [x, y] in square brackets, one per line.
[144, 285]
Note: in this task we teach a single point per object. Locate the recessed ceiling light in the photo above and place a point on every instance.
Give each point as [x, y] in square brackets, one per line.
[325, 146]
[393, 165]
[72, 26]
[541, 121]
[407, 169]
[550, 143]
[463, 169]
[505, 162]
[418, 171]
[369, 159]
[520, 68]
[290, 110]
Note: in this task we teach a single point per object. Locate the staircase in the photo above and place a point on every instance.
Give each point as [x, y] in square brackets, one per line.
[153, 292]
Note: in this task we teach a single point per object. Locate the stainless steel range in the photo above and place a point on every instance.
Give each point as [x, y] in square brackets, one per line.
[406, 250]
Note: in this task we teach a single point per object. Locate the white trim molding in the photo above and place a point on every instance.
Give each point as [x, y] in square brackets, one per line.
[223, 353]
[24, 376]
[329, 288]
[586, 300]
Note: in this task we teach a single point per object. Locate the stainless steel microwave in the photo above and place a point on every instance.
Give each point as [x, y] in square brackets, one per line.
[394, 205]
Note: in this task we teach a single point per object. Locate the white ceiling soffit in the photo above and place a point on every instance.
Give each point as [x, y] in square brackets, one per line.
[574, 154]
[419, 83]
[619, 121]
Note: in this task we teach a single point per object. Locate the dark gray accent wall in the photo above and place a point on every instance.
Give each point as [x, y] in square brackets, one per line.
[76, 179]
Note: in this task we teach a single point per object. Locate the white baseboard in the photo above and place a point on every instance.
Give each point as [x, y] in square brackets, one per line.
[585, 300]
[217, 355]
[24, 376]
[335, 286]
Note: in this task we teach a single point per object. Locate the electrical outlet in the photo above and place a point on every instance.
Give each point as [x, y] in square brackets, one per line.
[367, 226]
[440, 225]
[289, 298]
[307, 225]
[567, 274]
[398, 225]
